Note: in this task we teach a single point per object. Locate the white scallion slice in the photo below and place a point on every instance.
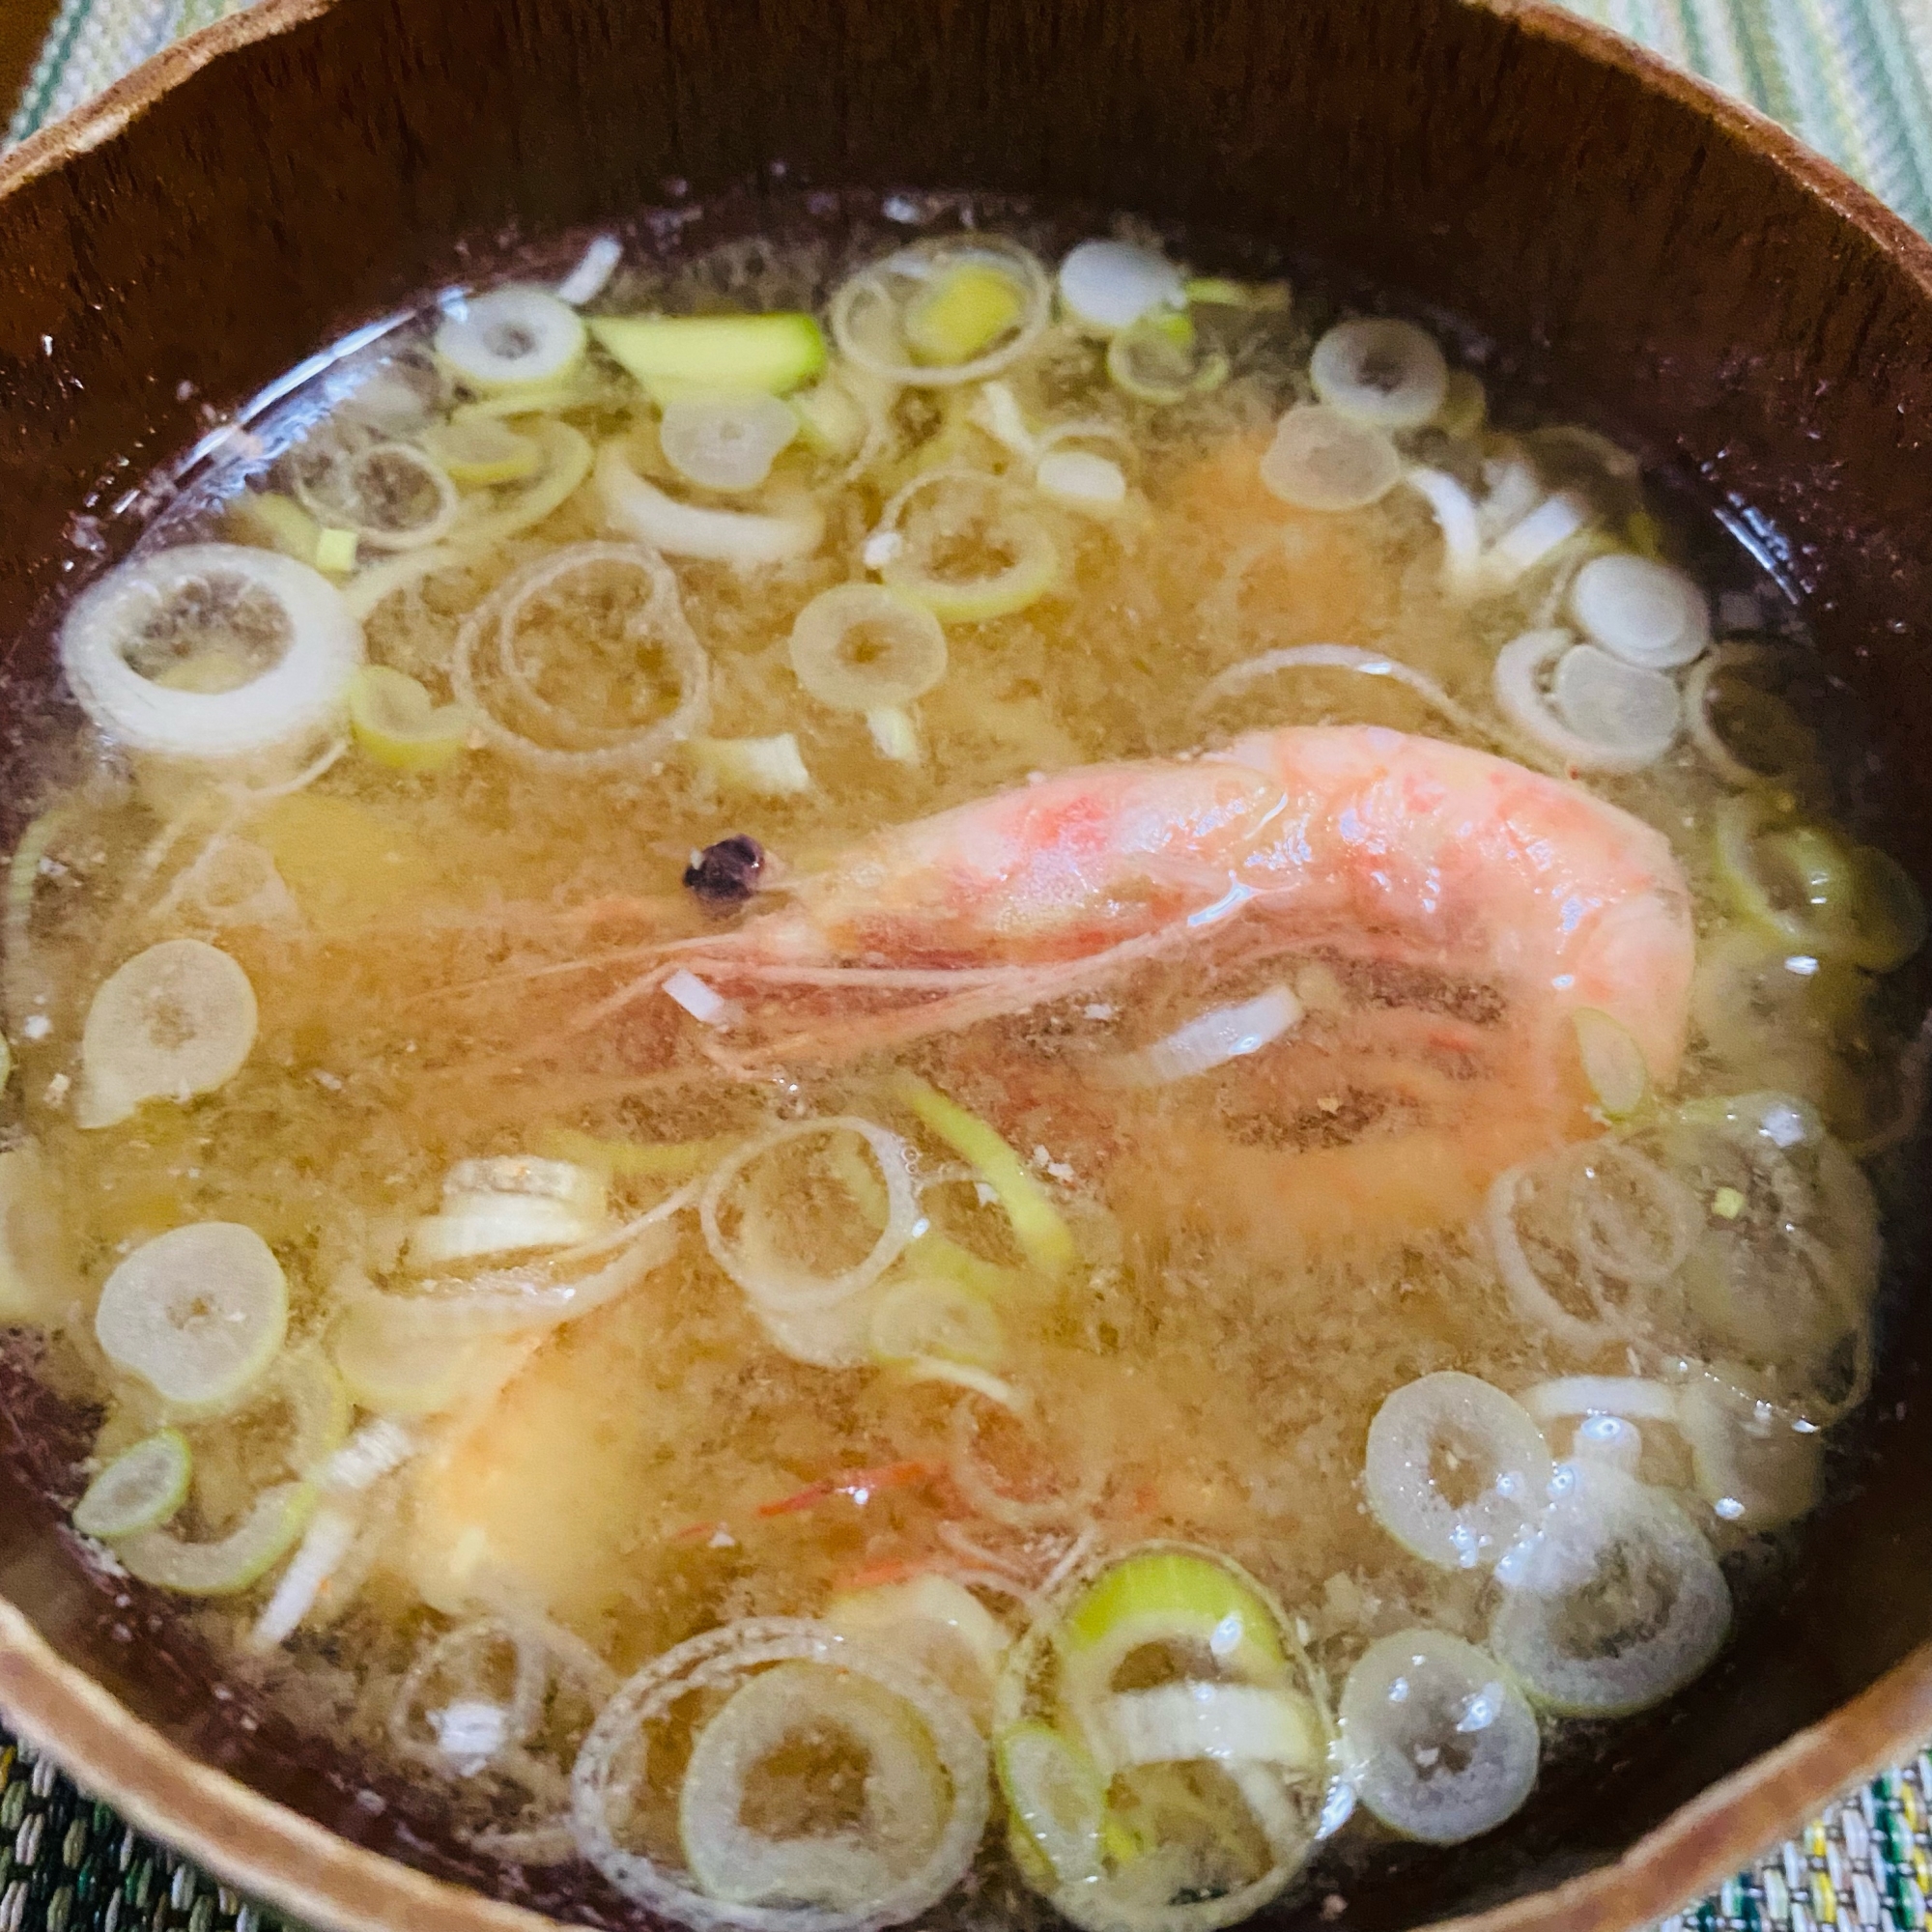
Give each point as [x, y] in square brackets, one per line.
[1209, 1041]
[1107, 286]
[745, 539]
[1642, 611]
[1451, 1436]
[1081, 477]
[1617, 1601]
[1186, 1723]
[925, 1798]
[1438, 1740]
[1378, 370]
[141, 1488]
[1057, 1797]
[595, 267]
[424, 1373]
[1321, 459]
[1595, 694]
[775, 1283]
[198, 1313]
[490, 642]
[725, 442]
[230, 1563]
[1613, 1063]
[173, 1021]
[210, 651]
[950, 310]
[509, 1202]
[894, 733]
[935, 1625]
[323, 1550]
[1633, 1398]
[866, 646]
[927, 1318]
[1526, 543]
[1456, 518]
[1623, 707]
[771, 767]
[511, 337]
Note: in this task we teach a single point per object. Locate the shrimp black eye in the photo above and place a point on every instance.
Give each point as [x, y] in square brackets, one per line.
[726, 874]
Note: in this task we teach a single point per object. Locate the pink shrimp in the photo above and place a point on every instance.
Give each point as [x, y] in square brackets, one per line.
[1363, 843]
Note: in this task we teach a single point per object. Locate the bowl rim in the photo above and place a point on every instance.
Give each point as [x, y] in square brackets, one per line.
[290, 1862]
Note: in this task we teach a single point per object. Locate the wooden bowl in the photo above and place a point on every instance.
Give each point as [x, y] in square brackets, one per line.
[1655, 259]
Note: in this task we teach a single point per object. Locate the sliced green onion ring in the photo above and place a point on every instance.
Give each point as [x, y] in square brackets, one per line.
[876, 313]
[613, 1765]
[141, 1488]
[963, 503]
[511, 338]
[1438, 1740]
[1825, 896]
[1485, 1441]
[396, 721]
[228, 1564]
[922, 1318]
[1382, 371]
[1038, 1225]
[495, 623]
[1108, 286]
[745, 539]
[1749, 736]
[483, 450]
[392, 496]
[865, 646]
[1321, 459]
[566, 461]
[1175, 1596]
[727, 442]
[1238, 677]
[935, 1624]
[1616, 1603]
[197, 1313]
[176, 1020]
[1755, 1466]
[267, 647]
[1161, 359]
[773, 1282]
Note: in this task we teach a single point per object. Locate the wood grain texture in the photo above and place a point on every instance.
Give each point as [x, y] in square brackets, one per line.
[1667, 266]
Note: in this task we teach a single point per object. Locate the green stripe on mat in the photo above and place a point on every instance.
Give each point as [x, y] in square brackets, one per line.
[1851, 76]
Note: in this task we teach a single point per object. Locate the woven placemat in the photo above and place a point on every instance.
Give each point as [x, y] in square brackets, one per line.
[1850, 76]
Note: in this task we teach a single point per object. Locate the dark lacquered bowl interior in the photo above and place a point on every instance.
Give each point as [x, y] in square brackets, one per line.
[1758, 331]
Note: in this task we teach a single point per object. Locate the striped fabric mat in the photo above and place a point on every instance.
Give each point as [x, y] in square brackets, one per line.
[1854, 77]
